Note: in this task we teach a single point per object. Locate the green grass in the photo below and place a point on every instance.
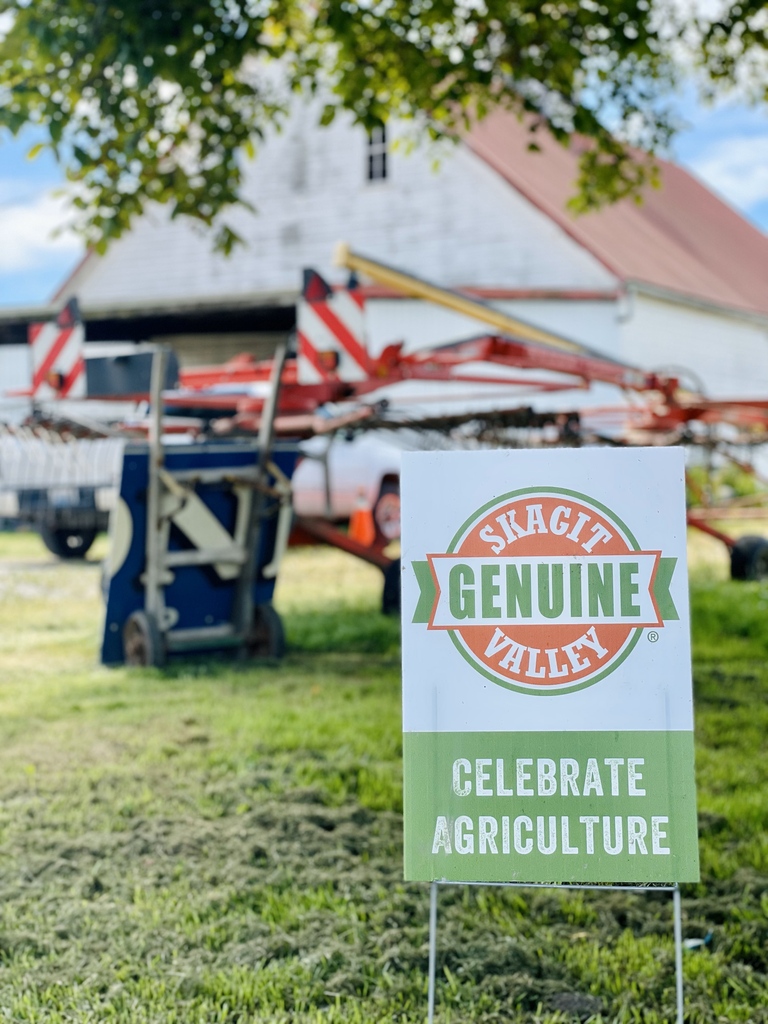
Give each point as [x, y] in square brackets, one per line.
[219, 843]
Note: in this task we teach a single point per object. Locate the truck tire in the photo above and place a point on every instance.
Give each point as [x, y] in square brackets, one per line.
[749, 559]
[390, 596]
[68, 543]
[386, 511]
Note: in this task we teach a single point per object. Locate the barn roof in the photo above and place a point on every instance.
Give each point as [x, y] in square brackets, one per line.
[681, 239]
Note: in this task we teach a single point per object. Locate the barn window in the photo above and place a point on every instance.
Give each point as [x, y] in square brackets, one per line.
[377, 153]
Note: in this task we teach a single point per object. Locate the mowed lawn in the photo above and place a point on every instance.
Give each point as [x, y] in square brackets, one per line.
[222, 843]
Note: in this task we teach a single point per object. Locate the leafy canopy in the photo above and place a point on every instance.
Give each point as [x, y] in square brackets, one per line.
[155, 100]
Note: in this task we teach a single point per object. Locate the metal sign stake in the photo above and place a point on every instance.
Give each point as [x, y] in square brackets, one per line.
[432, 947]
[677, 915]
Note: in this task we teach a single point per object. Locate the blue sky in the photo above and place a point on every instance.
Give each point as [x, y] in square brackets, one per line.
[726, 147]
[32, 261]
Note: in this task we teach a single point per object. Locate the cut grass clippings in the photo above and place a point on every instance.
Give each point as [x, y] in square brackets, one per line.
[222, 843]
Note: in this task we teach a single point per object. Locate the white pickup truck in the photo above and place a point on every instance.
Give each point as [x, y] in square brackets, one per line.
[340, 473]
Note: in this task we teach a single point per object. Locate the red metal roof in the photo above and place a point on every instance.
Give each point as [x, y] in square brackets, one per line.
[682, 238]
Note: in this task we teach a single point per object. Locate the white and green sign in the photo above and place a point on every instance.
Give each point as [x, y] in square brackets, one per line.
[547, 707]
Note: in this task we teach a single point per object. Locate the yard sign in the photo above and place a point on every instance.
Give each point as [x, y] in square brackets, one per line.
[547, 708]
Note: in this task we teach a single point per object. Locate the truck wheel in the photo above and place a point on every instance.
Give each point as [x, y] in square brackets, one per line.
[386, 511]
[390, 597]
[267, 637]
[68, 543]
[142, 643]
[749, 559]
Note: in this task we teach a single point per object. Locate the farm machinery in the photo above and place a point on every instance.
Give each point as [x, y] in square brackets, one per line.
[204, 505]
[336, 383]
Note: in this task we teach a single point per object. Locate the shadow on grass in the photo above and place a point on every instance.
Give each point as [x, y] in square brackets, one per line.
[345, 638]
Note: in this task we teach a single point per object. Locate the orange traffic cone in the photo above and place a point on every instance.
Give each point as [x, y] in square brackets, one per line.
[361, 525]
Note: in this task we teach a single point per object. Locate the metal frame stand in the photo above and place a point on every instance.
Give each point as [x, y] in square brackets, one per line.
[171, 497]
[677, 915]
[152, 587]
[243, 616]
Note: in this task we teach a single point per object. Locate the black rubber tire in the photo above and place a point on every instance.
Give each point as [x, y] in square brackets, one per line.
[143, 645]
[386, 511]
[749, 559]
[68, 543]
[267, 637]
[390, 595]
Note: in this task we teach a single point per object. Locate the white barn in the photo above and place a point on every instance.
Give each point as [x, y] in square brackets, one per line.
[679, 281]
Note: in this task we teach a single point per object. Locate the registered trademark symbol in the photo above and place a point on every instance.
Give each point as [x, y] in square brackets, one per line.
[653, 636]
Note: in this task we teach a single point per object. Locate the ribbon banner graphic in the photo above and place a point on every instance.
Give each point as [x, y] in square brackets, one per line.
[545, 590]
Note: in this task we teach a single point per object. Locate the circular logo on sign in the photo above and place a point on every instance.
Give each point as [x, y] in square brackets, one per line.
[544, 591]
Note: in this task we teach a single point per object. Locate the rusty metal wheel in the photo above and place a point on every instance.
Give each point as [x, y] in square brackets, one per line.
[267, 637]
[142, 643]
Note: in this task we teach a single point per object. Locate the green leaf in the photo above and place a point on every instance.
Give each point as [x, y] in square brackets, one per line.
[328, 115]
[226, 240]
[441, 65]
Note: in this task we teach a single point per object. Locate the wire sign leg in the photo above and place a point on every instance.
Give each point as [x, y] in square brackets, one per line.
[678, 952]
[432, 949]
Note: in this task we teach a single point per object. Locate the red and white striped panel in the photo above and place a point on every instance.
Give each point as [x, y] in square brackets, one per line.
[58, 366]
[334, 324]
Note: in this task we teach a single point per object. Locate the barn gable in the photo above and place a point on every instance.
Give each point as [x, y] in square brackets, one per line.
[457, 222]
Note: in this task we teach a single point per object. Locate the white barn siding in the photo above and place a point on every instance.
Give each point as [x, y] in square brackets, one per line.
[728, 353]
[421, 324]
[595, 324]
[459, 224]
[15, 375]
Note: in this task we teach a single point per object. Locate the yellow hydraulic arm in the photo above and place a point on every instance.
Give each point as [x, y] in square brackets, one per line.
[407, 284]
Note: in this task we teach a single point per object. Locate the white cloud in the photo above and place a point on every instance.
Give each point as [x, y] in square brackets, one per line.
[27, 239]
[737, 168]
